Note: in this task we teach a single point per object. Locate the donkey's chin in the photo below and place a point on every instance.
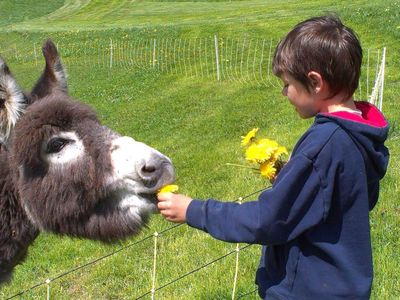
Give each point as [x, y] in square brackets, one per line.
[150, 203]
[138, 205]
[119, 216]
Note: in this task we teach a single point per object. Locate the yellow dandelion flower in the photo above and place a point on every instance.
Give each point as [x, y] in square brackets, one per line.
[269, 147]
[249, 137]
[268, 170]
[261, 151]
[279, 152]
[171, 188]
[256, 153]
[264, 152]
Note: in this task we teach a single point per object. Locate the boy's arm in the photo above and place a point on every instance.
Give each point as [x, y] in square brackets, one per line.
[295, 203]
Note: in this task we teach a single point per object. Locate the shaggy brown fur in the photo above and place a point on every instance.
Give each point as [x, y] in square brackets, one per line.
[45, 187]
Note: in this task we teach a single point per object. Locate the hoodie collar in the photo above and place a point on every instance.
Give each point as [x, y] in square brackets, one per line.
[370, 115]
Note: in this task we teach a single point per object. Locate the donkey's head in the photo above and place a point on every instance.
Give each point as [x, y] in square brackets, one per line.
[73, 175]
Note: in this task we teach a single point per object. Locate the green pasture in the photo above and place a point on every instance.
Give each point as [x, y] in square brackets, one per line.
[195, 120]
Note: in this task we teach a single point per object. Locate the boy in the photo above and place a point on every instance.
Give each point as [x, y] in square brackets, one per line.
[314, 220]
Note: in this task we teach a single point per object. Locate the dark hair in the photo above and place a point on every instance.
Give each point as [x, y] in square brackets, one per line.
[324, 45]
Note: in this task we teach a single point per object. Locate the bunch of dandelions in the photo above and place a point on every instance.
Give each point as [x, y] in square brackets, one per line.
[265, 153]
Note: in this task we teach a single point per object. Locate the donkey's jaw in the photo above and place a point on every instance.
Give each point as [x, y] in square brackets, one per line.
[137, 206]
[118, 216]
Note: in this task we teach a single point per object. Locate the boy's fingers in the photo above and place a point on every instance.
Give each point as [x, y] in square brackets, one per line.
[164, 196]
[163, 205]
[169, 216]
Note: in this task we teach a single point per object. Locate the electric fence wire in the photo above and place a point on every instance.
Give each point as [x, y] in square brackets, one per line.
[90, 263]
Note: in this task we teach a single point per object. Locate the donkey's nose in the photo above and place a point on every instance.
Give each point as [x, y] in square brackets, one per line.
[154, 172]
[144, 169]
[149, 172]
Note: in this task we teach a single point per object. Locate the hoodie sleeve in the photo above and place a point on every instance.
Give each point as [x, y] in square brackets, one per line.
[294, 204]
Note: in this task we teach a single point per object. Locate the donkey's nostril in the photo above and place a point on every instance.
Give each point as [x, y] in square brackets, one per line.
[147, 168]
[149, 175]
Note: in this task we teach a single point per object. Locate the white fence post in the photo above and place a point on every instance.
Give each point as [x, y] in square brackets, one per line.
[111, 53]
[368, 72]
[235, 280]
[34, 53]
[153, 276]
[16, 54]
[48, 288]
[382, 78]
[376, 96]
[216, 56]
[154, 53]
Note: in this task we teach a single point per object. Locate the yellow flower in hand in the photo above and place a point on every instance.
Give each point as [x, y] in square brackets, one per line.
[255, 153]
[268, 170]
[261, 151]
[264, 152]
[171, 188]
[278, 152]
[249, 137]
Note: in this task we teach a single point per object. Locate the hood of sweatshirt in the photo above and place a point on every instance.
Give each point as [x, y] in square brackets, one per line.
[368, 131]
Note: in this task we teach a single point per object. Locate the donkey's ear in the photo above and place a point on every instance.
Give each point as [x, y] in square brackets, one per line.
[12, 102]
[54, 77]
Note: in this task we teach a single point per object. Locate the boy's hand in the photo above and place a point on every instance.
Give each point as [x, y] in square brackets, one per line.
[173, 206]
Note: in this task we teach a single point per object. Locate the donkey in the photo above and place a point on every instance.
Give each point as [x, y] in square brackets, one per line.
[61, 171]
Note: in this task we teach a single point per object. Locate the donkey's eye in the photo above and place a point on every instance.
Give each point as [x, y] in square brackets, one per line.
[56, 144]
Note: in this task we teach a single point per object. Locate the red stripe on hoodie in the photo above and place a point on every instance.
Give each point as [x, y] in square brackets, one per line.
[371, 115]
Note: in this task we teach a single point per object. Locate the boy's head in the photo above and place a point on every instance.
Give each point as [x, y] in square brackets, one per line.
[323, 45]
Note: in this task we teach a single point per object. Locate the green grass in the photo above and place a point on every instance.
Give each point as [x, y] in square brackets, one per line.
[17, 11]
[198, 123]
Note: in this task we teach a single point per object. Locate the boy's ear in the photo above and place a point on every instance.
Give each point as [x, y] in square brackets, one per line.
[317, 82]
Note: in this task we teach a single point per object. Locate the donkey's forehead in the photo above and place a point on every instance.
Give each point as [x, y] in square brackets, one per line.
[58, 110]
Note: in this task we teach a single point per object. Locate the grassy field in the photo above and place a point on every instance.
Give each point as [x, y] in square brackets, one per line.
[197, 121]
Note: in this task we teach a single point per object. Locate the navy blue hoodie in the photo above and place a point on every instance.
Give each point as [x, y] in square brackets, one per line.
[314, 221]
